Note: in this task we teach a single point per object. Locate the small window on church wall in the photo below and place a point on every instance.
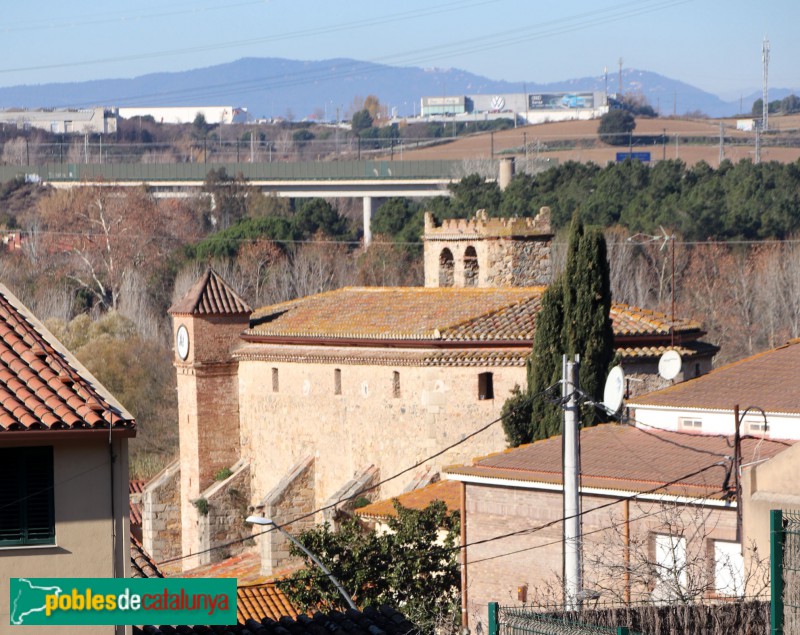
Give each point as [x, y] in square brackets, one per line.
[446, 268]
[396, 384]
[470, 267]
[275, 385]
[486, 386]
[337, 381]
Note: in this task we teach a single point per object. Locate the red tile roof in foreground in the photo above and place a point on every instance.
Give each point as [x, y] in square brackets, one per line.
[449, 492]
[142, 565]
[245, 567]
[434, 314]
[210, 295]
[42, 386]
[770, 380]
[262, 600]
[629, 459]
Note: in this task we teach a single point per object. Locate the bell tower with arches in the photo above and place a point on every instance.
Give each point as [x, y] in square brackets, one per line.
[488, 252]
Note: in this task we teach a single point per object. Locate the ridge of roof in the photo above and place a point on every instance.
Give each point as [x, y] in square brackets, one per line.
[210, 295]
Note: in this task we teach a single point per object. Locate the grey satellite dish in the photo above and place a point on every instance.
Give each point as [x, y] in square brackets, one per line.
[614, 390]
[670, 365]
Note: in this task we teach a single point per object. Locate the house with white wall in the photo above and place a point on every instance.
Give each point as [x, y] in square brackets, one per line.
[764, 386]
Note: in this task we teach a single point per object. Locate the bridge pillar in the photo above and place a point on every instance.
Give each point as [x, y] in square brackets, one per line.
[368, 209]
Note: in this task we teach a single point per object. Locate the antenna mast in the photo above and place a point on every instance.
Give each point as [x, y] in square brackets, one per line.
[765, 97]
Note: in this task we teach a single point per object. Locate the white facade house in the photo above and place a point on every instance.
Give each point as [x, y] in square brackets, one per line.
[764, 386]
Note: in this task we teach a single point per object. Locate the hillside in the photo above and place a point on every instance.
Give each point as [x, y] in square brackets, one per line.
[275, 87]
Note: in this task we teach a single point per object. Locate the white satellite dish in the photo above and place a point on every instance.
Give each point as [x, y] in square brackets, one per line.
[614, 390]
[670, 365]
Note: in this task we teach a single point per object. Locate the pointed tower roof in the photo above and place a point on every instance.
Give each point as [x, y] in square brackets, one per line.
[211, 295]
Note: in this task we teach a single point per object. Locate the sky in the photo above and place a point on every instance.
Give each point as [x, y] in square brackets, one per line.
[712, 44]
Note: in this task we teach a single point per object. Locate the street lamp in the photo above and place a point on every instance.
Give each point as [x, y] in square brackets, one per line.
[260, 520]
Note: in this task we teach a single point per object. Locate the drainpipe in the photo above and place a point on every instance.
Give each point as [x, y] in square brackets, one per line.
[464, 613]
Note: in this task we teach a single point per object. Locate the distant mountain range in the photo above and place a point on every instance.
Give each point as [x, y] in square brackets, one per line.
[274, 87]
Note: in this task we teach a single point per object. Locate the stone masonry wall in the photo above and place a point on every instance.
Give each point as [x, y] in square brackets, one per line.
[291, 498]
[365, 424]
[161, 516]
[226, 505]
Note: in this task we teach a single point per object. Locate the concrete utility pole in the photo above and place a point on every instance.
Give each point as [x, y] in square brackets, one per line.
[572, 469]
[721, 143]
[765, 97]
[620, 79]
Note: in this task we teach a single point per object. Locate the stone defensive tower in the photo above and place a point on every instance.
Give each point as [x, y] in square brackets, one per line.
[488, 252]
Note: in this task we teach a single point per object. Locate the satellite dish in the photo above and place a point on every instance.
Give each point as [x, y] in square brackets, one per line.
[670, 365]
[614, 390]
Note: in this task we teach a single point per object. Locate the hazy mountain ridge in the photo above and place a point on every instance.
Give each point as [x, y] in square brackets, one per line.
[276, 87]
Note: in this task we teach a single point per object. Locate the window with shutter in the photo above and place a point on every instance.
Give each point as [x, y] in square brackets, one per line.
[27, 514]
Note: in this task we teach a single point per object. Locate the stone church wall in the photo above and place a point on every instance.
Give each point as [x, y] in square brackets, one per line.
[366, 424]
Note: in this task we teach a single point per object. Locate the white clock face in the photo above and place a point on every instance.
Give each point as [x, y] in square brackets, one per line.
[182, 342]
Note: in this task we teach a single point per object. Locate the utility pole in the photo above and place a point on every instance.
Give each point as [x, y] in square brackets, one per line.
[721, 144]
[765, 97]
[758, 144]
[620, 79]
[572, 469]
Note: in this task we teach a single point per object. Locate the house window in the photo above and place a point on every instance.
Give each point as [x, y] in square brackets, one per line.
[728, 568]
[275, 384]
[486, 386]
[26, 496]
[337, 381]
[690, 425]
[670, 566]
[396, 384]
[470, 267]
[757, 426]
[446, 268]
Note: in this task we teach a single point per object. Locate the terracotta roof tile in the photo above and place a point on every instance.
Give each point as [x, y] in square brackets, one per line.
[433, 314]
[245, 567]
[210, 295]
[42, 386]
[768, 380]
[449, 492]
[263, 600]
[142, 565]
[628, 459]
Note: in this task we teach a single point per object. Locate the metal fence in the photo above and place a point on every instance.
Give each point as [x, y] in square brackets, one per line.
[252, 171]
[504, 620]
[785, 573]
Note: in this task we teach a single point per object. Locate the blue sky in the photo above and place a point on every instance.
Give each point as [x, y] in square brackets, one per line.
[712, 44]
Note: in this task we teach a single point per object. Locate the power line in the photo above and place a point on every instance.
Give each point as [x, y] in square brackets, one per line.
[537, 528]
[357, 493]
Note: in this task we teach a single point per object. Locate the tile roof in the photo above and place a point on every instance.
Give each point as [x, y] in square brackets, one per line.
[370, 621]
[42, 386]
[245, 567]
[768, 380]
[135, 488]
[449, 492]
[210, 295]
[142, 565]
[262, 600]
[433, 314]
[629, 459]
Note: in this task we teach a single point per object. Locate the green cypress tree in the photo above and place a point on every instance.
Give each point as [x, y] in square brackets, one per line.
[573, 319]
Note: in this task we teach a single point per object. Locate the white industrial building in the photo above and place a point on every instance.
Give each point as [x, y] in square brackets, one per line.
[67, 121]
[187, 114]
[526, 107]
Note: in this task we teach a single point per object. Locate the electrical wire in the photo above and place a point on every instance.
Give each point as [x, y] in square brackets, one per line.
[355, 494]
[537, 528]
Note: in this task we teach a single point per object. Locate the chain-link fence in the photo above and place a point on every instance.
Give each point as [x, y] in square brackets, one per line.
[505, 620]
[785, 563]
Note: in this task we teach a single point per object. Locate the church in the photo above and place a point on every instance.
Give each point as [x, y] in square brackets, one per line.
[291, 409]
